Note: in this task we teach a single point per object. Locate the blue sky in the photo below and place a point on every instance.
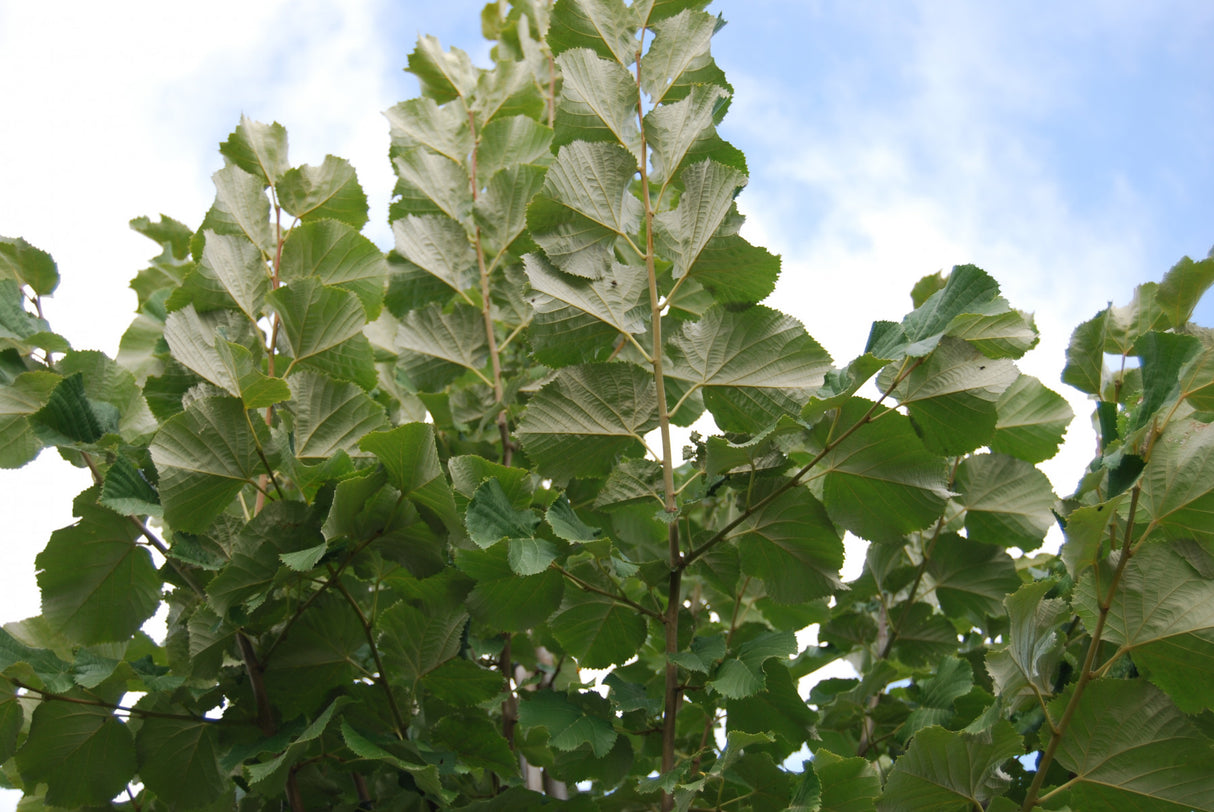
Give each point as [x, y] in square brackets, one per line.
[1064, 147]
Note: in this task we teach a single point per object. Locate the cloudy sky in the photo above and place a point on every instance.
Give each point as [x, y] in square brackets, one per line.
[1064, 147]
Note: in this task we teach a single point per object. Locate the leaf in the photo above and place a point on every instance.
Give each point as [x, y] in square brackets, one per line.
[238, 267]
[1009, 334]
[566, 523]
[241, 208]
[69, 417]
[28, 265]
[680, 45]
[429, 184]
[742, 676]
[791, 544]
[422, 122]
[410, 457]
[598, 631]
[1084, 368]
[26, 395]
[1007, 501]
[41, 666]
[604, 26]
[178, 761]
[83, 754]
[970, 578]
[1128, 746]
[259, 149]
[491, 517]
[329, 191]
[848, 784]
[1178, 482]
[330, 416]
[462, 683]
[501, 210]
[951, 396]
[734, 271]
[436, 347]
[585, 204]
[1162, 614]
[439, 246]
[443, 76]
[11, 719]
[942, 769]
[597, 101]
[97, 584]
[337, 255]
[477, 741]
[416, 641]
[200, 343]
[319, 653]
[316, 318]
[1032, 421]
[882, 463]
[504, 600]
[969, 290]
[1125, 325]
[1162, 356]
[512, 141]
[564, 304]
[587, 416]
[709, 189]
[1023, 667]
[777, 713]
[204, 456]
[754, 366]
[1182, 288]
[469, 471]
[567, 720]
[1197, 381]
[681, 132]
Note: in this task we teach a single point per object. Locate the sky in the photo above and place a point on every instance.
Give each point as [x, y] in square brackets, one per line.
[1064, 147]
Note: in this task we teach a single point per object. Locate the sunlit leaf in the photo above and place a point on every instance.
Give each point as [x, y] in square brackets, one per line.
[1007, 501]
[328, 191]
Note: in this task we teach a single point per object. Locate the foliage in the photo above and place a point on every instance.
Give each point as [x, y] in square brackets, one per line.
[397, 506]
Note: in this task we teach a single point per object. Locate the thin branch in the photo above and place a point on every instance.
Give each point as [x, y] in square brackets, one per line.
[382, 679]
[586, 586]
[51, 696]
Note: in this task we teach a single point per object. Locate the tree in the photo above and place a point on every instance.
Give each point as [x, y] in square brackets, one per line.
[397, 506]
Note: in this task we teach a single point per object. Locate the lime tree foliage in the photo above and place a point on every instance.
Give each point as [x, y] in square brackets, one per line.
[395, 508]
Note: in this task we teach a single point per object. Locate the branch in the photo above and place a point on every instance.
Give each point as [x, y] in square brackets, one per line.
[618, 598]
[382, 679]
[50, 696]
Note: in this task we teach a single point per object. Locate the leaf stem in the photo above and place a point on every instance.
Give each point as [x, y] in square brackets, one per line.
[51, 696]
[382, 677]
[586, 586]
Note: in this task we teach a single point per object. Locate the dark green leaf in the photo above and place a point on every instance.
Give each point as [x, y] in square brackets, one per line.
[1032, 421]
[569, 721]
[598, 631]
[791, 544]
[1007, 501]
[945, 770]
[83, 754]
[259, 149]
[411, 459]
[178, 761]
[504, 600]
[971, 579]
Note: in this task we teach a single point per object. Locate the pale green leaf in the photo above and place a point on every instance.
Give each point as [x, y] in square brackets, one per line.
[443, 75]
[1085, 368]
[438, 346]
[1125, 325]
[469, 471]
[1197, 381]
[422, 122]
[848, 784]
[1032, 421]
[604, 26]
[681, 45]
[709, 189]
[1182, 288]
[586, 203]
[1178, 483]
[257, 148]
[564, 304]
[968, 290]
[501, 210]
[28, 265]
[1009, 334]
[330, 416]
[512, 141]
[946, 770]
[239, 268]
[1129, 747]
[1023, 668]
[111, 388]
[427, 184]
[1008, 502]
[205, 455]
[1162, 614]
[316, 317]
[753, 365]
[439, 246]
[83, 754]
[566, 523]
[597, 102]
[334, 253]
[26, 395]
[682, 131]
[241, 208]
[416, 641]
[587, 416]
[329, 191]
[733, 271]
[531, 556]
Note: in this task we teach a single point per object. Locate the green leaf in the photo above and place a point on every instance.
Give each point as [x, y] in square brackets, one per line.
[241, 208]
[26, 395]
[329, 191]
[1178, 482]
[438, 346]
[83, 754]
[1007, 501]
[422, 122]
[199, 342]
[204, 456]
[971, 579]
[951, 396]
[491, 517]
[317, 318]
[28, 265]
[41, 666]
[1085, 368]
[477, 741]
[512, 141]
[570, 721]
[69, 417]
[1023, 668]
[319, 653]
[501, 210]
[237, 266]
[882, 463]
[791, 544]
[97, 584]
[1129, 747]
[580, 422]
[1125, 325]
[259, 149]
[469, 471]
[416, 641]
[437, 245]
[753, 366]
[848, 784]
[330, 416]
[566, 523]
[1032, 421]
[598, 631]
[1009, 334]
[945, 770]
[604, 26]
[742, 675]
[586, 203]
[462, 683]
[1197, 381]
[734, 271]
[504, 600]
[617, 299]
[680, 46]
[683, 131]
[442, 75]
[969, 290]
[20, 329]
[1182, 288]
[127, 491]
[709, 189]
[1162, 356]
[178, 761]
[11, 719]
[597, 101]
[429, 184]
[410, 457]
[337, 255]
[777, 712]
[1169, 631]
